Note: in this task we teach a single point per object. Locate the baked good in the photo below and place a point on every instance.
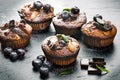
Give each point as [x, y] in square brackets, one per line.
[69, 21]
[38, 15]
[99, 32]
[60, 49]
[15, 34]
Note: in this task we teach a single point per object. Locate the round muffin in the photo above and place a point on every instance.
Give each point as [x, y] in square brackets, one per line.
[69, 21]
[38, 15]
[99, 32]
[15, 34]
[60, 49]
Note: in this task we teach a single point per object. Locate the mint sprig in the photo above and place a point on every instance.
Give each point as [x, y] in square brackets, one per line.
[66, 72]
[102, 69]
[63, 37]
[67, 9]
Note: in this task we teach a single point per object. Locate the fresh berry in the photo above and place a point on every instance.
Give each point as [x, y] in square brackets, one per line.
[41, 57]
[46, 8]
[44, 72]
[97, 16]
[12, 23]
[65, 15]
[7, 52]
[47, 64]
[107, 26]
[36, 63]
[13, 56]
[75, 10]
[23, 21]
[37, 5]
[21, 14]
[21, 53]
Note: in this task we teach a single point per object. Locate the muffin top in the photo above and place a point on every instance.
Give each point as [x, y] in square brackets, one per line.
[60, 45]
[70, 18]
[15, 30]
[37, 12]
[99, 28]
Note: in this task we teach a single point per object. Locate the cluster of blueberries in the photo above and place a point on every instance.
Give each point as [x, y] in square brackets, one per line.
[13, 55]
[42, 65]
[70, 13]
[38, 5]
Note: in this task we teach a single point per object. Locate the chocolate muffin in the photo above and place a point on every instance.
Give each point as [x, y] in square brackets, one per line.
[69, 21]
[38, 15]
[60, 49]
[99, 32]
[15, 34]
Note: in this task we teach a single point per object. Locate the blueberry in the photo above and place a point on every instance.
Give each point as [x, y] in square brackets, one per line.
[21, 14]
[107, 26]
[37, 5]
[23, 21]
[7, 51]
[65, 15]
[36, 63]
[75, 10]
[46, 8]
[97, 16]
[44, 72]
[21, 53]
[13, 56]
[41, 57]
[12, 23]
[47, 64]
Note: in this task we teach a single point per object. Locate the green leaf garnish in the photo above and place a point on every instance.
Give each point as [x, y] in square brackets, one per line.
[66, 72]
[102, 69]
[63, 37]
[100, 21]
[67, 9]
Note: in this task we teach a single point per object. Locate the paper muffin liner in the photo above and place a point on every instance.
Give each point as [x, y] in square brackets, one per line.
[67, 31]
[97, 42]
[15, 44]
[61, 61]
[40, 26]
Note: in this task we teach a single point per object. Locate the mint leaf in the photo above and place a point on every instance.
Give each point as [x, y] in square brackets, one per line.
[66, 72]
[67, 9]
[102, 69]
[63, 37]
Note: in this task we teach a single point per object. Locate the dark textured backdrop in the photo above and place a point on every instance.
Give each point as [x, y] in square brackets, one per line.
[22, 70]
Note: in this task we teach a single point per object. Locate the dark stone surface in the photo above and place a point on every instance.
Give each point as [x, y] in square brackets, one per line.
[22, 70]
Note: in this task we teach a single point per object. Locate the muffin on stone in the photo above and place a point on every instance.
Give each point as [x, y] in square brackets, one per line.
[99, 33]
[38, 15]
[69, 21]
[15, 34]
[60, 49]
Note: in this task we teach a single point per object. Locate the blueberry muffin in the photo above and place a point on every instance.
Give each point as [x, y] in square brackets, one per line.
[15, 34]
[69, 21]
[99, 32]
[60, 49]
[38, 15]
